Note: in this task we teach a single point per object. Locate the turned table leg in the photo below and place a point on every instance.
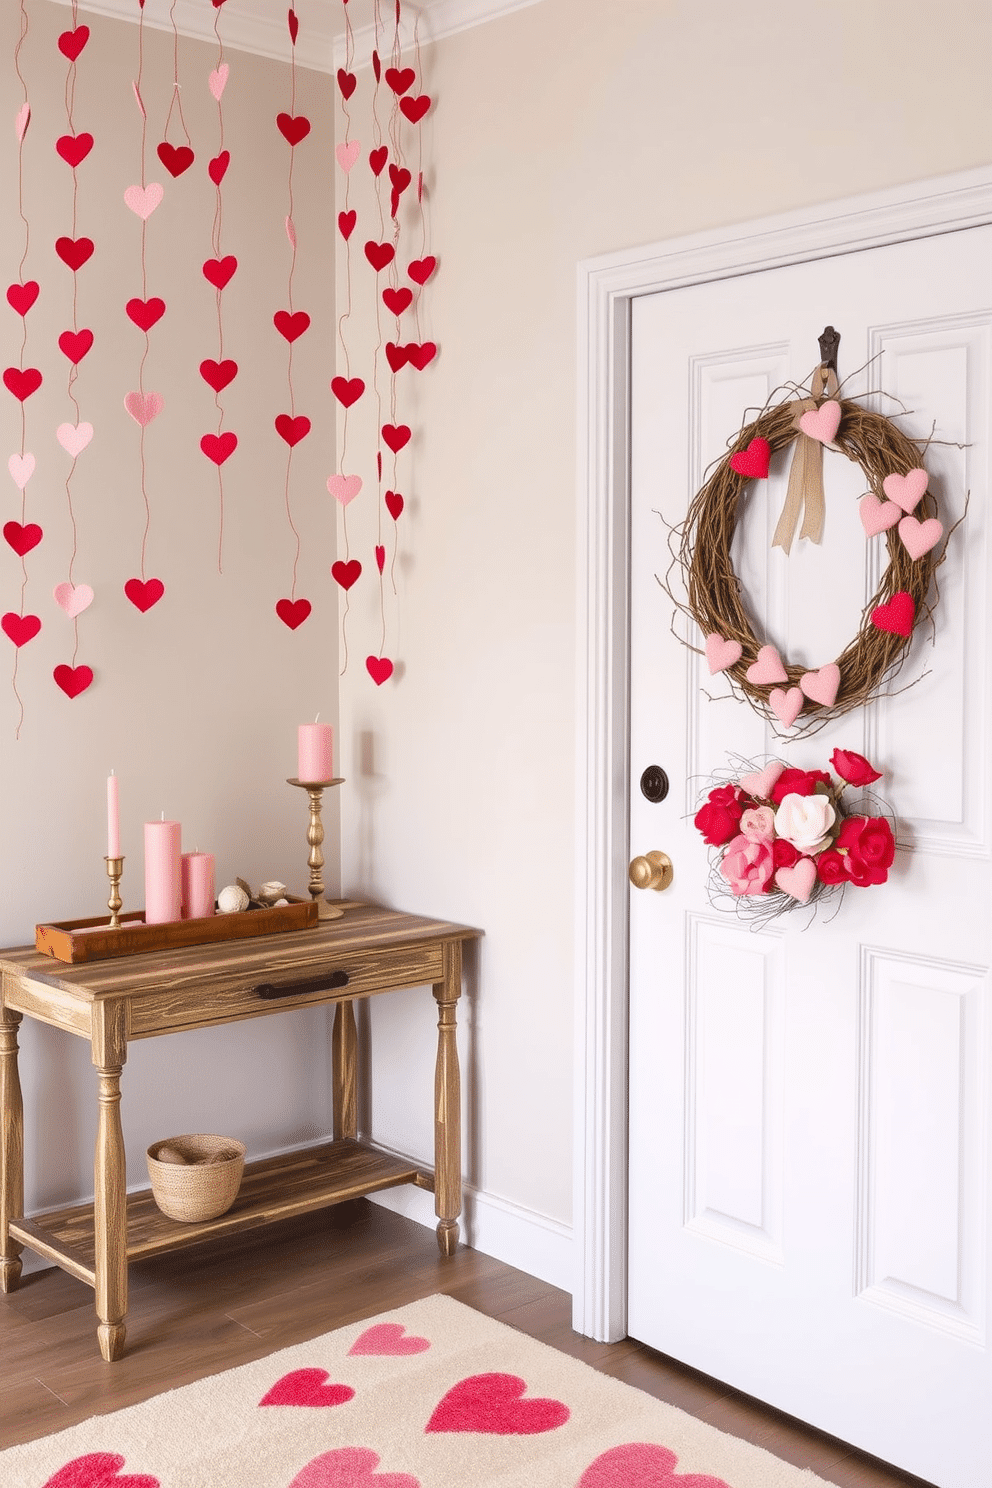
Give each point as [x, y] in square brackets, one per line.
[11, 1150]
[109, 1180]
[344, 1059]
[447, 1104]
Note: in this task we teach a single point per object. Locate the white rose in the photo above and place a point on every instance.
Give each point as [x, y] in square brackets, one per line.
[805, 821]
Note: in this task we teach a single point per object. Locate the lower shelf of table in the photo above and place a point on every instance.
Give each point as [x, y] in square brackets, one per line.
[272, 1189]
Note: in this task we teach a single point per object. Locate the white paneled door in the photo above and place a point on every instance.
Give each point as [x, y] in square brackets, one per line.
[810, 1103]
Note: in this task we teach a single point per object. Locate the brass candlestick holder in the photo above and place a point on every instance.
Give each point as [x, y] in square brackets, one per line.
[115, 869]
[315, 836]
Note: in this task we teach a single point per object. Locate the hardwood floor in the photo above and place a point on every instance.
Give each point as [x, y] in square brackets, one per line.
[229, 1301]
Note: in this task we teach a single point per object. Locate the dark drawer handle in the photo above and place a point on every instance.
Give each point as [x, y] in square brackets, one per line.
[270, 990]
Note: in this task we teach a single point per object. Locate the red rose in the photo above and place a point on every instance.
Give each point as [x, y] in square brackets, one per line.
[717, 823]
[798, 783]
[726, 795]
[784, 854]
[853, 768]
[831, 867]
[870, 849]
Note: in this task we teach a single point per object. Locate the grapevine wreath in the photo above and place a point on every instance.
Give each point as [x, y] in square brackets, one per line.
[896, 503]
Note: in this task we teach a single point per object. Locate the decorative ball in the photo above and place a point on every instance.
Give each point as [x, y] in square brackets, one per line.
[272, 891]
[232, 900]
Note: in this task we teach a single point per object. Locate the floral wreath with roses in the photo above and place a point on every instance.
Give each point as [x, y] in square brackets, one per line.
[784, 837]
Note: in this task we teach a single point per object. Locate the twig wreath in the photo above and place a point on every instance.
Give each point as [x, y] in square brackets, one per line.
[897, 503]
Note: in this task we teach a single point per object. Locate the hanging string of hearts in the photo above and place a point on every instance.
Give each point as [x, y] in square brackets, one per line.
[292, 427]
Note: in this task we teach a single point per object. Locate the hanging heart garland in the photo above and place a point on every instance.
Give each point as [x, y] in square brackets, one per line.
[218, 373]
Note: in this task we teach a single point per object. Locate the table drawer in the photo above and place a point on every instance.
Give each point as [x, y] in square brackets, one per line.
[250, 995]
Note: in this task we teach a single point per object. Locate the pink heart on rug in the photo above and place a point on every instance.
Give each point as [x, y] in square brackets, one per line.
[347, 153]
[293, 612]
[143, 594]
[350, 1467]
[493, 1405]
[99, 1470]
[217, 81]
[22, 539]
[642, 1465]
[394, 504]
[346, 574]
[219, 447]
[291, 325]
[306, 1386]
[753, 462]
[897, 616]
[142, 200]
[344, 488]
[74, 437]
[21, 121]
[721, 654]
[379, 668]
[20, 628]
[760, 782]
[73, 598]
[143, 407]
[73, 681]
[822, 423]
[389, 1338]
[767, 668]
[919, 537]
[21, 469]
[821, 686]
[798, 880]
[786, 706]
[877, 516]
[906, 490]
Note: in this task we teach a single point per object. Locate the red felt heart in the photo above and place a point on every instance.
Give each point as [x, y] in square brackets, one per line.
[220, 271]
[145, 313]
[175, 158]
[394, 504]
[71, 43]
[347, 82]
[20, 628]
[396, 355]
[291, 325]
[346, 223]
[217, 167]
[22, 539]
[379, 668]
[350, 1467]
[74, 148]
[377, 159]
[143, 594]
[75, 344]
[396, 436]
[291, 612]
[74, 252]
[422, 268]
[73, 681]
[99, 1469]
[22, 383]
[292, 429]
[397, 300]
[347, 390]
[753, 462]
[219, 447]
[414, 109]
[494, 1404]
[400, 177]
[21, 297]
[420, 355]
[293, 128]
[642, 1465]
[346, 574]
[897, 616]
[376, 65]
[294, 26]
[380, 558]
[400, 79]
[379, 254]
[218, 374]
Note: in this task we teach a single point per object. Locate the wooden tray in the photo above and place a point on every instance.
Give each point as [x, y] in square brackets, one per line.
[93, 940]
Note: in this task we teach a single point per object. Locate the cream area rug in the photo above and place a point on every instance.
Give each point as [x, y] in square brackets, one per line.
[433, 1395]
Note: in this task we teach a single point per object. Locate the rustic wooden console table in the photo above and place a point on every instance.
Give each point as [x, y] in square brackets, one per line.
[368, 951]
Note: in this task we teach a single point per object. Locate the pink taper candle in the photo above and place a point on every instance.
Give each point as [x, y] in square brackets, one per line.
[197, 874]
[113, 818]
[316, 747]
[163, 880]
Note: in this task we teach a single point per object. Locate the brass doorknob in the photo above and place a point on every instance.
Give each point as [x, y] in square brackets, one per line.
[653, 871]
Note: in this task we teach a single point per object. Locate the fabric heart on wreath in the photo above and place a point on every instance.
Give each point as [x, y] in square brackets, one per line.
[906, 490]
[786, 706]
[721, 654]
[897, 616]
[753, 461]
[822, 423]
[822, 686]
[767, 668]
[877, 516]
[797, 881]
[919, 537]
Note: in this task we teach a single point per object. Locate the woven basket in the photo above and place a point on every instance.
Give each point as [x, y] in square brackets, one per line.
[195, 1177]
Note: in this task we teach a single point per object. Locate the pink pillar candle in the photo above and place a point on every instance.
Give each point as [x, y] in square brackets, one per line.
[316, 748]
[113, 818]
[197, 876]
[163, 879]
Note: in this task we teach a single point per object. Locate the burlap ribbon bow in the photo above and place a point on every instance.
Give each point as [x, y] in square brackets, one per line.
[805, 492]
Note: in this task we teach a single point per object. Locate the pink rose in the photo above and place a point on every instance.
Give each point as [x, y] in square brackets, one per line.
[747, 865]
[758, 824]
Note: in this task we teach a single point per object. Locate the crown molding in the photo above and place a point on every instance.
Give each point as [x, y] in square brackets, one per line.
[430, 21]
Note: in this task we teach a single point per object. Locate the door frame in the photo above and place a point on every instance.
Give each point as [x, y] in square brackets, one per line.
[606, 287]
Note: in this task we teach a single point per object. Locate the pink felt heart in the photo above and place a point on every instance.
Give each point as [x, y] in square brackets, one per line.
[293, 128]
[175, 158]
[394, 504]
[721, 654]
[219, 447]
[414, 109]
[346, 574]
[21, 469]
[73, 681]
[291, 231]
[877, 516]
[906, 490]
[143, 407]
[420, 354]
[292, 429]
[389, 1338]
[217, 81]
[347, 390]
[897, 616]
[821, 686]
[217, 167]
[350, 1467]
[144, 593]
[822, 423]
[347, 153]
[379, 668]
[397, 300]
[73, 598]
[380, 557]
[642, 1465]
[760, 782]
[401, 80]
[344, 488]
[767, 668]
[378, 158]
[75, 345]
[798, 880]
[99, 1469]
[74, 437]
[220, 271]
[142, 200]
[919, 537]
[291, 325]
[74, 148]
[22, 382]
[396, 436]
[493, 1404]
[22, 539]
[21, 120]
[347, 82]
[753, 462]
[379, 254]
[71, 43]
[346, 223]
[307, 1387]
[422, 268]
[293, 612]
[20, 628]
[21, 297]
[786, 706]
[218, 375]
[74, 252]
[145, 313]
